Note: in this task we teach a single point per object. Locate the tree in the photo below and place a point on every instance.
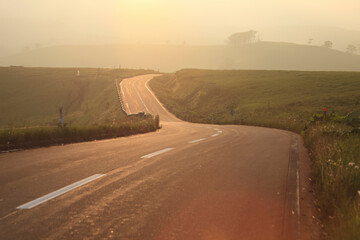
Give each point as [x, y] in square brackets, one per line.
[328, 44]
[242, 38]
[351, 49]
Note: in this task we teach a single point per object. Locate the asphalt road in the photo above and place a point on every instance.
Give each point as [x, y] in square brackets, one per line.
[185, 181]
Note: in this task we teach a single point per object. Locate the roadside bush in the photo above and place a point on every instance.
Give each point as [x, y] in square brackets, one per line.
[336, 178]
[46, 136]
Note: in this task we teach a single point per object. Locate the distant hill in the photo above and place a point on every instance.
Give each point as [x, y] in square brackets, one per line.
[302, 33]
[169, 58]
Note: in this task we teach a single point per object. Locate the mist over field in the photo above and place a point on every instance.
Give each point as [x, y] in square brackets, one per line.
[170, 35]
[170, 58]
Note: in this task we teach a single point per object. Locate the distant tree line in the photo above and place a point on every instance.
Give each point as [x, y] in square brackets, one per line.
[351, 48]
[242, 38]
[251, 36]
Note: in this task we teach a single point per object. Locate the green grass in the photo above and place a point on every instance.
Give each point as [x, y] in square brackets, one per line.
[268, 98]
[31, 96]
[286, 100]
[336, 173]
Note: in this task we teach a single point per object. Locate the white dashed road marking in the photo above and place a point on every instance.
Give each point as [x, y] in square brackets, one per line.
[157, 153]
[197, 140]
[59, 192]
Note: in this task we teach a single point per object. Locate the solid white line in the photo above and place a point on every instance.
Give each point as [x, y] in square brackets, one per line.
[157, 100]
[295, 146]
[157, 153]
[197, 140]
[59, 192]
[297, 192]
[146, 85]
[297, 184]
[214, 135]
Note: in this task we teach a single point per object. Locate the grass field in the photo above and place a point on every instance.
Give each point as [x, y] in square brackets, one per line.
[288, 100]
[31, 96]
[281, 99]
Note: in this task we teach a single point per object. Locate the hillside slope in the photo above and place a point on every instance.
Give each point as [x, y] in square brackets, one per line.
[168, 58]
[31, 96]
[265, 98]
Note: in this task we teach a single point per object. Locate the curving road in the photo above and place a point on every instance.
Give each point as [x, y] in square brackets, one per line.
[185, 181]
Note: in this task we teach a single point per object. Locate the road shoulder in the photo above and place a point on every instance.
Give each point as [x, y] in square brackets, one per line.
[310, 226]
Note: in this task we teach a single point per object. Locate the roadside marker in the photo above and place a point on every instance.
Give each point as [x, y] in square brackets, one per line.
[157, 153]
[59, 192]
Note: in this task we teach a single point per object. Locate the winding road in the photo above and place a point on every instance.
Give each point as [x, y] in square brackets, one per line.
[185, 181]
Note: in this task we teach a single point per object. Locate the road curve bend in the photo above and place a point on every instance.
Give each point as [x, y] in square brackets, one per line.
[185, 181]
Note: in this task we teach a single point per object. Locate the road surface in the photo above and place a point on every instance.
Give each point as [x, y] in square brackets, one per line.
[185, 181]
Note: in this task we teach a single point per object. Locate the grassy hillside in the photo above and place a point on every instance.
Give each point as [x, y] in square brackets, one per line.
[287, 100]
[31, 96]
[169, 58]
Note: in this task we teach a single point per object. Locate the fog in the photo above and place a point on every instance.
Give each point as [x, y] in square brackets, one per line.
[26, 24]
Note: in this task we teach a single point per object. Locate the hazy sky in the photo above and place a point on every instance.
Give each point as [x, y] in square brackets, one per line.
[50, 22]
